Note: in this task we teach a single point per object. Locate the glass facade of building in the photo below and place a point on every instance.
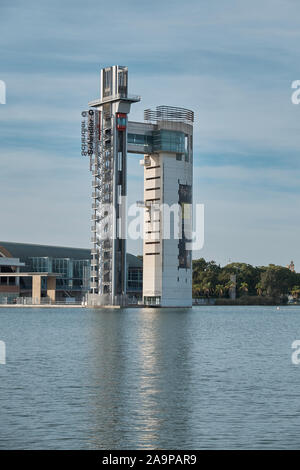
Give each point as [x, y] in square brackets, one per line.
[140, 139]
[75, 274]
[135, 280]
[74, 268]
[162, 141]
[169, 141]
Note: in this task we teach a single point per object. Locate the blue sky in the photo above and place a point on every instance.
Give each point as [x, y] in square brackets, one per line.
[231, 62]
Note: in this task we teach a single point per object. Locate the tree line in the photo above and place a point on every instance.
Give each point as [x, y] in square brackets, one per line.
[271, 282]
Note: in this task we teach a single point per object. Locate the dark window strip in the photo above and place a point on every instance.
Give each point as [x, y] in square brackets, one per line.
[153, 178]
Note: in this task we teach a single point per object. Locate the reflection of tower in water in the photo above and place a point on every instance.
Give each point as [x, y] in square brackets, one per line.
[142, 379]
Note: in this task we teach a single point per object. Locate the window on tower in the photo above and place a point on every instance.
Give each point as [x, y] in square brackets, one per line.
[121, 122]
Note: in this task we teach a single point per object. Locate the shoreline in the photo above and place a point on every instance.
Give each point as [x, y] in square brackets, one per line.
[117, 307]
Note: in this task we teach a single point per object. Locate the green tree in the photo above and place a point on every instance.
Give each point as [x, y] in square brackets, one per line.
[244, 273]
[277, 281]
[259, 288]
[273, 281]
[206, 288]
[295, 292]
[219, 290]
[229, 285]
[244, 287]
[196, 291]
[205, 274]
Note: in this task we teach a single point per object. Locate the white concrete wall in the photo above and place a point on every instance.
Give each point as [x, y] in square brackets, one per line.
[176, 283]
[152, 272]
[161, 276]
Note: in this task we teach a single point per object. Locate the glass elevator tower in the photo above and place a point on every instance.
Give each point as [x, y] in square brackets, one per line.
[104, 140]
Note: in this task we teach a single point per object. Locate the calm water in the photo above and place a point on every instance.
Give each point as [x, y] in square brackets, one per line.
[210, 377]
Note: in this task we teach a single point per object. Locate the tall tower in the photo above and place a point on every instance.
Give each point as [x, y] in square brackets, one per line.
[104, 139]
[166, 139]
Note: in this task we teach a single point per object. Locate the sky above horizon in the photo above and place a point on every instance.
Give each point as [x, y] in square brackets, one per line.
[232, 62]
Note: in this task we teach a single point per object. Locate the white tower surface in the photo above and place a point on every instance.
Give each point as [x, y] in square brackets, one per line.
[168, 179]
[167, 142]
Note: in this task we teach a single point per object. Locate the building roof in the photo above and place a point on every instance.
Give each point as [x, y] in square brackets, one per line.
[133, 261]
[24, 251]
[14, 262]
[29, 250]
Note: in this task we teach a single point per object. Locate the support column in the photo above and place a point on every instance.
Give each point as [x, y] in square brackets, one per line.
[18, 278]
[36, 289]
[51, 287]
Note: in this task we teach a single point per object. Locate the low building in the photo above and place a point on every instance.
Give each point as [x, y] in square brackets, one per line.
[71, 264]
[9, 286]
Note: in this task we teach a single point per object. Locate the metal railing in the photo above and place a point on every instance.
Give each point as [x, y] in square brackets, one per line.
[23, 301]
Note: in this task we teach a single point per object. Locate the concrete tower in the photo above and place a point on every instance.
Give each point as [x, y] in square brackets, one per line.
[166, 140]
[168, 179]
